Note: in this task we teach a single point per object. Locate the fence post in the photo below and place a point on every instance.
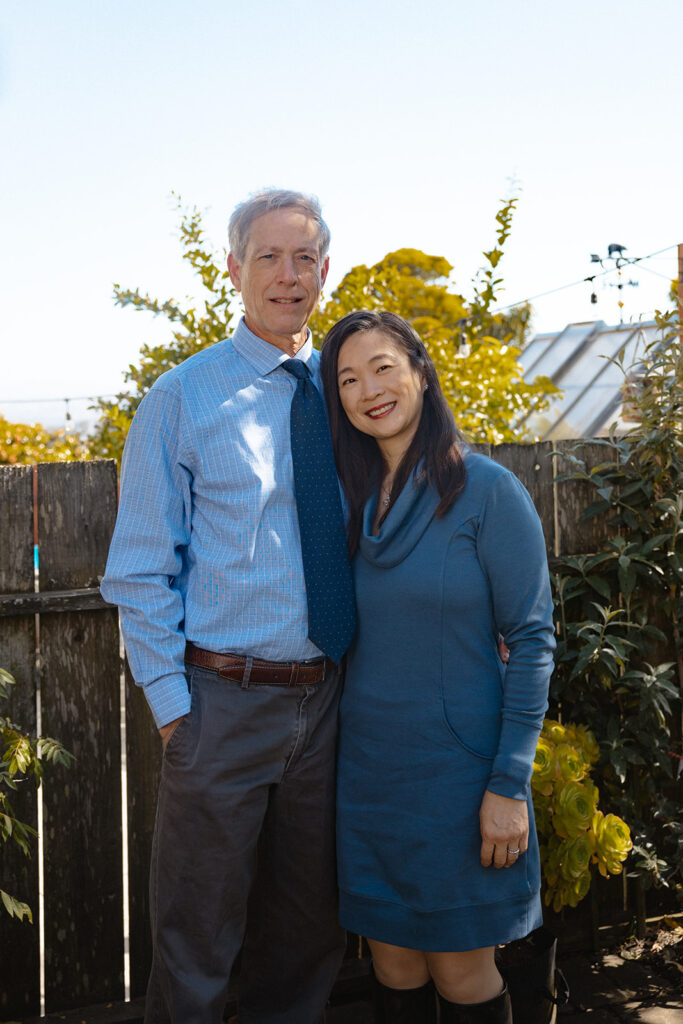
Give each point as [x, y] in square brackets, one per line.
[81, 707]
[143, 758]
[532, 464]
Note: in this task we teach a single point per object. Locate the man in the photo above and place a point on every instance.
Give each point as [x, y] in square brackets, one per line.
[212, 567]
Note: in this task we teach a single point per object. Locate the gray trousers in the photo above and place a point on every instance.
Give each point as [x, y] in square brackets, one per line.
[244, 854]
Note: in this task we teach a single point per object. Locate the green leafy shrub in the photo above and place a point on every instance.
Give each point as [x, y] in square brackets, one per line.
[619, 610]
[22, 758]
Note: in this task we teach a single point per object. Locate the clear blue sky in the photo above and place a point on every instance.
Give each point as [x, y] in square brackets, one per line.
[406, 119]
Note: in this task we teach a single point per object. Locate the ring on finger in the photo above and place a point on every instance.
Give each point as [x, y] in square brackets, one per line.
[513, 853]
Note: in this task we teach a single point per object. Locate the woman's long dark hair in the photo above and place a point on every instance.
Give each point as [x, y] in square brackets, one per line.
[437, 441]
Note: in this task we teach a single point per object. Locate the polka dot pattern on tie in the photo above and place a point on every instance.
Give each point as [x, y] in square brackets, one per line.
[329, 587]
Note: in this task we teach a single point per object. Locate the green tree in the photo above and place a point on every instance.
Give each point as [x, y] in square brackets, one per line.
[475, 350]
[24, 443]
[407, 282]
[193, 328]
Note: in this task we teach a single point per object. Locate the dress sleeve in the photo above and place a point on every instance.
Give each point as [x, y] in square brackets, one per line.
[511, 550]
[146, 554]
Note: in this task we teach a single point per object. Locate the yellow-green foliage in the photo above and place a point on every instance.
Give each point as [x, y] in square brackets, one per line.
[22, 443]
[573, 833]
[475, 350]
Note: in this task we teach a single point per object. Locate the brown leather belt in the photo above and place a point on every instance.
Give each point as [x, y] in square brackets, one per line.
[255, 670]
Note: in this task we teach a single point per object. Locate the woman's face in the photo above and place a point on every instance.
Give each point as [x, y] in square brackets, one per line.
[380, 390]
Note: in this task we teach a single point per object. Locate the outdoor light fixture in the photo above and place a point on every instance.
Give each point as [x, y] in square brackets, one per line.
[615, 253]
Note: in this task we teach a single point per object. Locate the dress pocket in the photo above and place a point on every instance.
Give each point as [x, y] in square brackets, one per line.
[468, 746]
[473, 719]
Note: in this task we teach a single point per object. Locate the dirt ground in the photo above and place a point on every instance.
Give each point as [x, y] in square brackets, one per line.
[661, 951]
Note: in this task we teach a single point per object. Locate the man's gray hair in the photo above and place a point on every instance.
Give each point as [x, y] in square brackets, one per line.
[266, 201]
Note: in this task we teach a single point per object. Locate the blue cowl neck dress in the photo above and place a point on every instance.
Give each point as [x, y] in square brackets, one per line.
[430, 717]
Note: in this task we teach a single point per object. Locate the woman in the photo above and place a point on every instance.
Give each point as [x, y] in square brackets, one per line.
[437, 735]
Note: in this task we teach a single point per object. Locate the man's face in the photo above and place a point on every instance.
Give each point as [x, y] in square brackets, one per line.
[281, 276]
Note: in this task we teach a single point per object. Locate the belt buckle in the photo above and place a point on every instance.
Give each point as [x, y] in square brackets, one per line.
[324, 668]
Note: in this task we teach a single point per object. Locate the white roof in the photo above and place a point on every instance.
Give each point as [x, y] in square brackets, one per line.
[579, 361]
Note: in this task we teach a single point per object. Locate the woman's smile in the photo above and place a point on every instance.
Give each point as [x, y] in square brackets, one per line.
[381, 410]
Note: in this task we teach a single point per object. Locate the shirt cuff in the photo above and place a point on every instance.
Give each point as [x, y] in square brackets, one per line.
[168, 698]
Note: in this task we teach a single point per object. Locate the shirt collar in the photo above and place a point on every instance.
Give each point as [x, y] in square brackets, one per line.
[263, 356]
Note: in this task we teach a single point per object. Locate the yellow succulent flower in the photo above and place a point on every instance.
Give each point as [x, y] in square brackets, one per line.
[553, 731]
[573, 833]
[577, 889]
[612, 838]
[567, 893]
[584, 739]
[574, 806]
[571, 765]
[543, 778]
[542, 813]
[576, 858]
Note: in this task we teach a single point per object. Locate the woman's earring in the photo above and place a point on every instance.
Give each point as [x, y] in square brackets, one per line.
[425, 386]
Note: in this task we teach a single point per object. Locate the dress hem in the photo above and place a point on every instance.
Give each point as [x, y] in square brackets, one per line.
[452, 930]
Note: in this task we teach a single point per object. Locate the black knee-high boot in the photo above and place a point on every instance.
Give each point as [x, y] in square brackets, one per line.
[493, 1011]
[403, 1005]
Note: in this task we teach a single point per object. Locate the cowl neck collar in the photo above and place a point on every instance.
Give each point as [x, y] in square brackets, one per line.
[408, 518]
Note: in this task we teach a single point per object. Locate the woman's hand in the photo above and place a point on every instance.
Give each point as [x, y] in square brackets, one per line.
[504, 827]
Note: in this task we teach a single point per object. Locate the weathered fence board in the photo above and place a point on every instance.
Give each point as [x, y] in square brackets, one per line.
[88, 599]
[143, 762]
[532, 464]
[76, 515]
[19, 875]
[572, 497]
[80, 701]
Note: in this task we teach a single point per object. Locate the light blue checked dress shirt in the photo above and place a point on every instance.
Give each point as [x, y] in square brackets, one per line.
[206, 546]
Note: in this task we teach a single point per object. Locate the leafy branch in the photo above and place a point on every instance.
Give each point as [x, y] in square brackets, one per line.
[22, 758]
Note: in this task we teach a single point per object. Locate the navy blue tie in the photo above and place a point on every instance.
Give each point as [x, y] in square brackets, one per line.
[329, 587]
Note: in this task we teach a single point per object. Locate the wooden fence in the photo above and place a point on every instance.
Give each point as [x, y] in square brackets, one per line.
[60, 639]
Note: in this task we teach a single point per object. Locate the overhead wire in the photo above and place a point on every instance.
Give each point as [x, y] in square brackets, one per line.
[665, 277]
[587, 280]
[66, 398]
[498, 309]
